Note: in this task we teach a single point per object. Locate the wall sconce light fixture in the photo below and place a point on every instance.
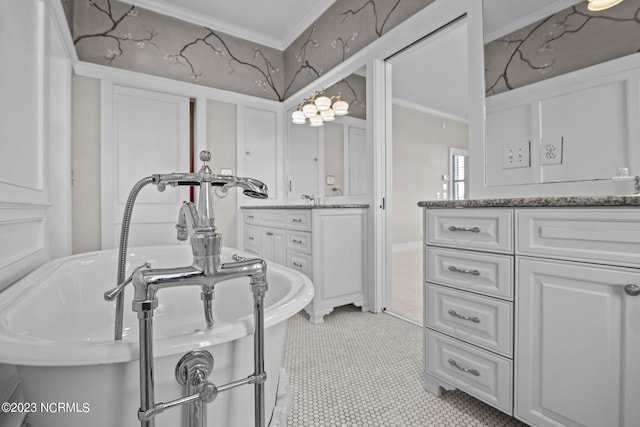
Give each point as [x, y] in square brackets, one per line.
[319, 108]
[597, 5]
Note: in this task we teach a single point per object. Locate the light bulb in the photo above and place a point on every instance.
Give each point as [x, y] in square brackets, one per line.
[309, 110]
[328, 115]
[598, 5]
[315, 121]
[298, 117]
[323, 103]
[340, 108]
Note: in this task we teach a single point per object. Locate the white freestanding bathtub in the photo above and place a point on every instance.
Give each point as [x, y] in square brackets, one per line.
[57, 329]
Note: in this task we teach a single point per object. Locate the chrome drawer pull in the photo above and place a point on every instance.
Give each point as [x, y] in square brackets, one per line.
[251, 238]
[296, 241]
[470, 319]
[462, 270]
[269, 233]
[297, 264]
[633, 290]
[471, 229]
[296, 220]
[469, 371]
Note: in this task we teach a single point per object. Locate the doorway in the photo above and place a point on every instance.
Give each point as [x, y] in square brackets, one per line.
[428, 92]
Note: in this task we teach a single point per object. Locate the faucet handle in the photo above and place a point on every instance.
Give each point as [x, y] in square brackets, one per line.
[111, 294]
[205, 156]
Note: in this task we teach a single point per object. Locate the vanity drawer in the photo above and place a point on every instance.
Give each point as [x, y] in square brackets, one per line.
[273, 218]
[603, 235]
[251, 239]
[299, 241]
[483, 229]
[483, 321]
[478, 372]
[299, 220]
[300, 262]
[251, 217]
[487, 274]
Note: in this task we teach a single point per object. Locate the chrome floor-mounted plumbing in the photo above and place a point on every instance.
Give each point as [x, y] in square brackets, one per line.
[196, 223]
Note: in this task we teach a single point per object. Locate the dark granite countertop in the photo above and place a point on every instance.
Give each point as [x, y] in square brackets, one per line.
[536, 202]
[327, 206]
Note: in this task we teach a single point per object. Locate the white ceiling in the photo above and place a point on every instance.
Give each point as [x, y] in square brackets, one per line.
[437, 66]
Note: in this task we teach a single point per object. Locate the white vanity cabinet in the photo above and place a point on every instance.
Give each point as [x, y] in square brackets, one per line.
[578, 317]
[327, 244]
[567, 355]
[469, 303]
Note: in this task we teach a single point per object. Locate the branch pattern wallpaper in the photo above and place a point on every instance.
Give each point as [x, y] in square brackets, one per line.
[569, 40]
[117, 34]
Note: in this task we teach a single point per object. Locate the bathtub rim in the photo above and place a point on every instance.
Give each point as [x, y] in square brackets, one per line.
[39, 352]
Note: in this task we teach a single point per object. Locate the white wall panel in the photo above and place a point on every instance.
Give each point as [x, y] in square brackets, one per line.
[144, 133]
[22, 44]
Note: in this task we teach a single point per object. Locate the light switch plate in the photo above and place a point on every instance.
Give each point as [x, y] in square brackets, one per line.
[516, 155]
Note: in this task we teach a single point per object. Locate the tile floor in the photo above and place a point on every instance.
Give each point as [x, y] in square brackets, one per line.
[364, 369]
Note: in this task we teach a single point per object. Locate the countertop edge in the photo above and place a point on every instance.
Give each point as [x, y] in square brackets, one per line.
[551, 201]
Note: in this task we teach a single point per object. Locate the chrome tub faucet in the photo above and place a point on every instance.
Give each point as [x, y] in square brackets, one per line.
[197, 224]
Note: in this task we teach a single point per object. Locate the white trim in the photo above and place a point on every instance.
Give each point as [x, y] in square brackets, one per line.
[427, 110]
[63, 29]
[175, 87]
[476, 95]
[303, 24]
[377, 107]
[107, 215]
[539, 14]
[198, 18]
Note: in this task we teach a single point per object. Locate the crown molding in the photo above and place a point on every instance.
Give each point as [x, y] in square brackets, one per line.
[169, 8]
[433, 112]
[308, 20]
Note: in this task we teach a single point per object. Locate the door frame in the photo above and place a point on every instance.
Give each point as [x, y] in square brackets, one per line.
[380, 106]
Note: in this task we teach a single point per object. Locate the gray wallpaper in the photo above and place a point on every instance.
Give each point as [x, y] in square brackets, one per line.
[344, 29]
[117, 34]
[569, 40]
[113, 33]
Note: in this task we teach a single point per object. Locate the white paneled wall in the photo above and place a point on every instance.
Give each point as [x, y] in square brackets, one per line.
[35, 144]
[34, 138]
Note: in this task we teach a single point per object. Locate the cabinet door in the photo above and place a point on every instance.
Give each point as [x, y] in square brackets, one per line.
[273, 245]
[577, 344]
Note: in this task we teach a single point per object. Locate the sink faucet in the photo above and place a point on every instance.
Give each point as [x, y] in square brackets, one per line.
[206, 269]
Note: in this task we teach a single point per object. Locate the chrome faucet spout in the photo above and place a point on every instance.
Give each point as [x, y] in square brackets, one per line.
[186, 221]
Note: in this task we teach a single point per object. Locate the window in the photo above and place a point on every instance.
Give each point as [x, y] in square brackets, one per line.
[458, 173]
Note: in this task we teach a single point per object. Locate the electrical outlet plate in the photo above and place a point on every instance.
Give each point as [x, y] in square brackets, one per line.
[551, 153]
[516, 156]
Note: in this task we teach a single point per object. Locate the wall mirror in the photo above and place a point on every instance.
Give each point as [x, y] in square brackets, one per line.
[561, 92]
[329, 160]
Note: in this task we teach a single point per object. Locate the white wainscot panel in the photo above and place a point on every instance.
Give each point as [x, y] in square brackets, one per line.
[23, 237]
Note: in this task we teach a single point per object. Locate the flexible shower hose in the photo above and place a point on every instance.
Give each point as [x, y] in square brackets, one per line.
[122, 254]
